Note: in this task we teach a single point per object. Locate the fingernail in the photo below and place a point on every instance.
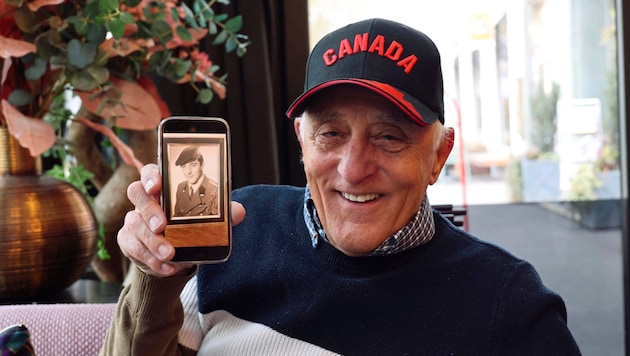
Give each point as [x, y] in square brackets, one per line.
[163, 251]
[154, 223]
[149, 184]
[166, 268]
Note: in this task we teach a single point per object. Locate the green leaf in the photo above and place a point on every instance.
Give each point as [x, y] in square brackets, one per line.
[234, 24]
[81, 55]
[76, 175]
[203, 10]
[117, 24]
[174, 14]
[26, 20]
[230, 44]
[221, 17]
[58, 61]
[221, 37]
[126, 17]
[155, 11]
[100, 74]
[131, 3]
[144, 29]
[100, 243]
[45, 49]
[19, 97]
[116, 27]
[189, 17]
[89, 79]
[101, 59]
[205, 96]
[162, 31]
[92, 9]
[37, 70]
[108, 6]
[212, 28]
[158, 61]
[56, 172]
[183, 33]
[182, 67]
[96, 33]
[79, 24]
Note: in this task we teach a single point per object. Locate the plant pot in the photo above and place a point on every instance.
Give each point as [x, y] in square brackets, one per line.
[48, 231]
[597, 214]
[541, 180]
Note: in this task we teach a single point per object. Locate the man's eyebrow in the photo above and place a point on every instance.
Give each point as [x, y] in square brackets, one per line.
[323, 115]
[397, 119]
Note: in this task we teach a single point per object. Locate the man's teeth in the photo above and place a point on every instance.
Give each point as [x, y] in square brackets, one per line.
[360, 198]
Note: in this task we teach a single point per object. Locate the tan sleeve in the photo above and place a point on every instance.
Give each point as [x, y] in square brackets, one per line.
[148, 318]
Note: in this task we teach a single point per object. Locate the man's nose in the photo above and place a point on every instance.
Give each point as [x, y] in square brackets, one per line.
[357, 161]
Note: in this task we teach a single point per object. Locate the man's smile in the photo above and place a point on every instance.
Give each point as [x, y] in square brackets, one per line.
[362, 198]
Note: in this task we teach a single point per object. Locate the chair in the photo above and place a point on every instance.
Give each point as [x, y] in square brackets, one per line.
[457, 215]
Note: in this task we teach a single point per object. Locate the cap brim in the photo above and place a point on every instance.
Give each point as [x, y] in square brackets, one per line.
[409, 105]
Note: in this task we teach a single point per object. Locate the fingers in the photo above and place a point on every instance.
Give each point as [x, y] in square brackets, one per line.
[140, 239]
[148, 250]
[238, 213]
[147, 206]
[151, 179]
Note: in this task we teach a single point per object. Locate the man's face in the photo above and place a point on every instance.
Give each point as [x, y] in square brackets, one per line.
[192, 171]
[367, 165]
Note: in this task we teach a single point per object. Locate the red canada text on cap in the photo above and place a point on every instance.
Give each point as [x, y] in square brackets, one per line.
[394, 51]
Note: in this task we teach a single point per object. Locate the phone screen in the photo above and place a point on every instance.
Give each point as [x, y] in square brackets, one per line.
[194, 157]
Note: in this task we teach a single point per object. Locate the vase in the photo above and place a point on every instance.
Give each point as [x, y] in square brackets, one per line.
[48, 231]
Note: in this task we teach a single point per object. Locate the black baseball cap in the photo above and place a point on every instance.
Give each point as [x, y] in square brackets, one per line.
[396, 61]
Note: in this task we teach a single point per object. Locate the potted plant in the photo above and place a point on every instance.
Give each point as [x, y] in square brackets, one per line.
[595, 192]
[539, 169]
[102, 52]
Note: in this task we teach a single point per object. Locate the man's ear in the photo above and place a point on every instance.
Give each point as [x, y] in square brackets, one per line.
[442, 153]
[297, 125]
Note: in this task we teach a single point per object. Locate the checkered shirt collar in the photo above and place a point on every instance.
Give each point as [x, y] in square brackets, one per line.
[418, 231]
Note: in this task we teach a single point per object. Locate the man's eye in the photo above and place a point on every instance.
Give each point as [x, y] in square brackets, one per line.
[330, 134]
[390, 138]
[390, 143]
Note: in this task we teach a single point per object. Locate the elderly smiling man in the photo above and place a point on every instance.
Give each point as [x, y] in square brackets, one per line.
[355, 263]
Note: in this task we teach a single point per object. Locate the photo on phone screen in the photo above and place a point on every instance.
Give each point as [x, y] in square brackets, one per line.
[195, 167]
[195, 170]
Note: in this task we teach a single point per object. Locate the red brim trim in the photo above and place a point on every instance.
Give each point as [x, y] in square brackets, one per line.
[387, 91]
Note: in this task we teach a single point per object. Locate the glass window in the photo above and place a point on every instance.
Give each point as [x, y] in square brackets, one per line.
[531, 90]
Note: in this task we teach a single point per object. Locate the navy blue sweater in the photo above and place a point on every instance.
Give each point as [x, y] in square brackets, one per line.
[456, 295]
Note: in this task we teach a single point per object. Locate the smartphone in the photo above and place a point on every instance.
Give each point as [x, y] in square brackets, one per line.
[194, 160]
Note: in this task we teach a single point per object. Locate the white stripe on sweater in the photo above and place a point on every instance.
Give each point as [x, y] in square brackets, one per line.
[221, 333]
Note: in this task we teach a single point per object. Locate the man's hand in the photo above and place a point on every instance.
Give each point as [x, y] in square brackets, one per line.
[140, 238]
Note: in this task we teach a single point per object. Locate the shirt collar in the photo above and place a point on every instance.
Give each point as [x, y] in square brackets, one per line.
[418, 231]
[195, 187]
